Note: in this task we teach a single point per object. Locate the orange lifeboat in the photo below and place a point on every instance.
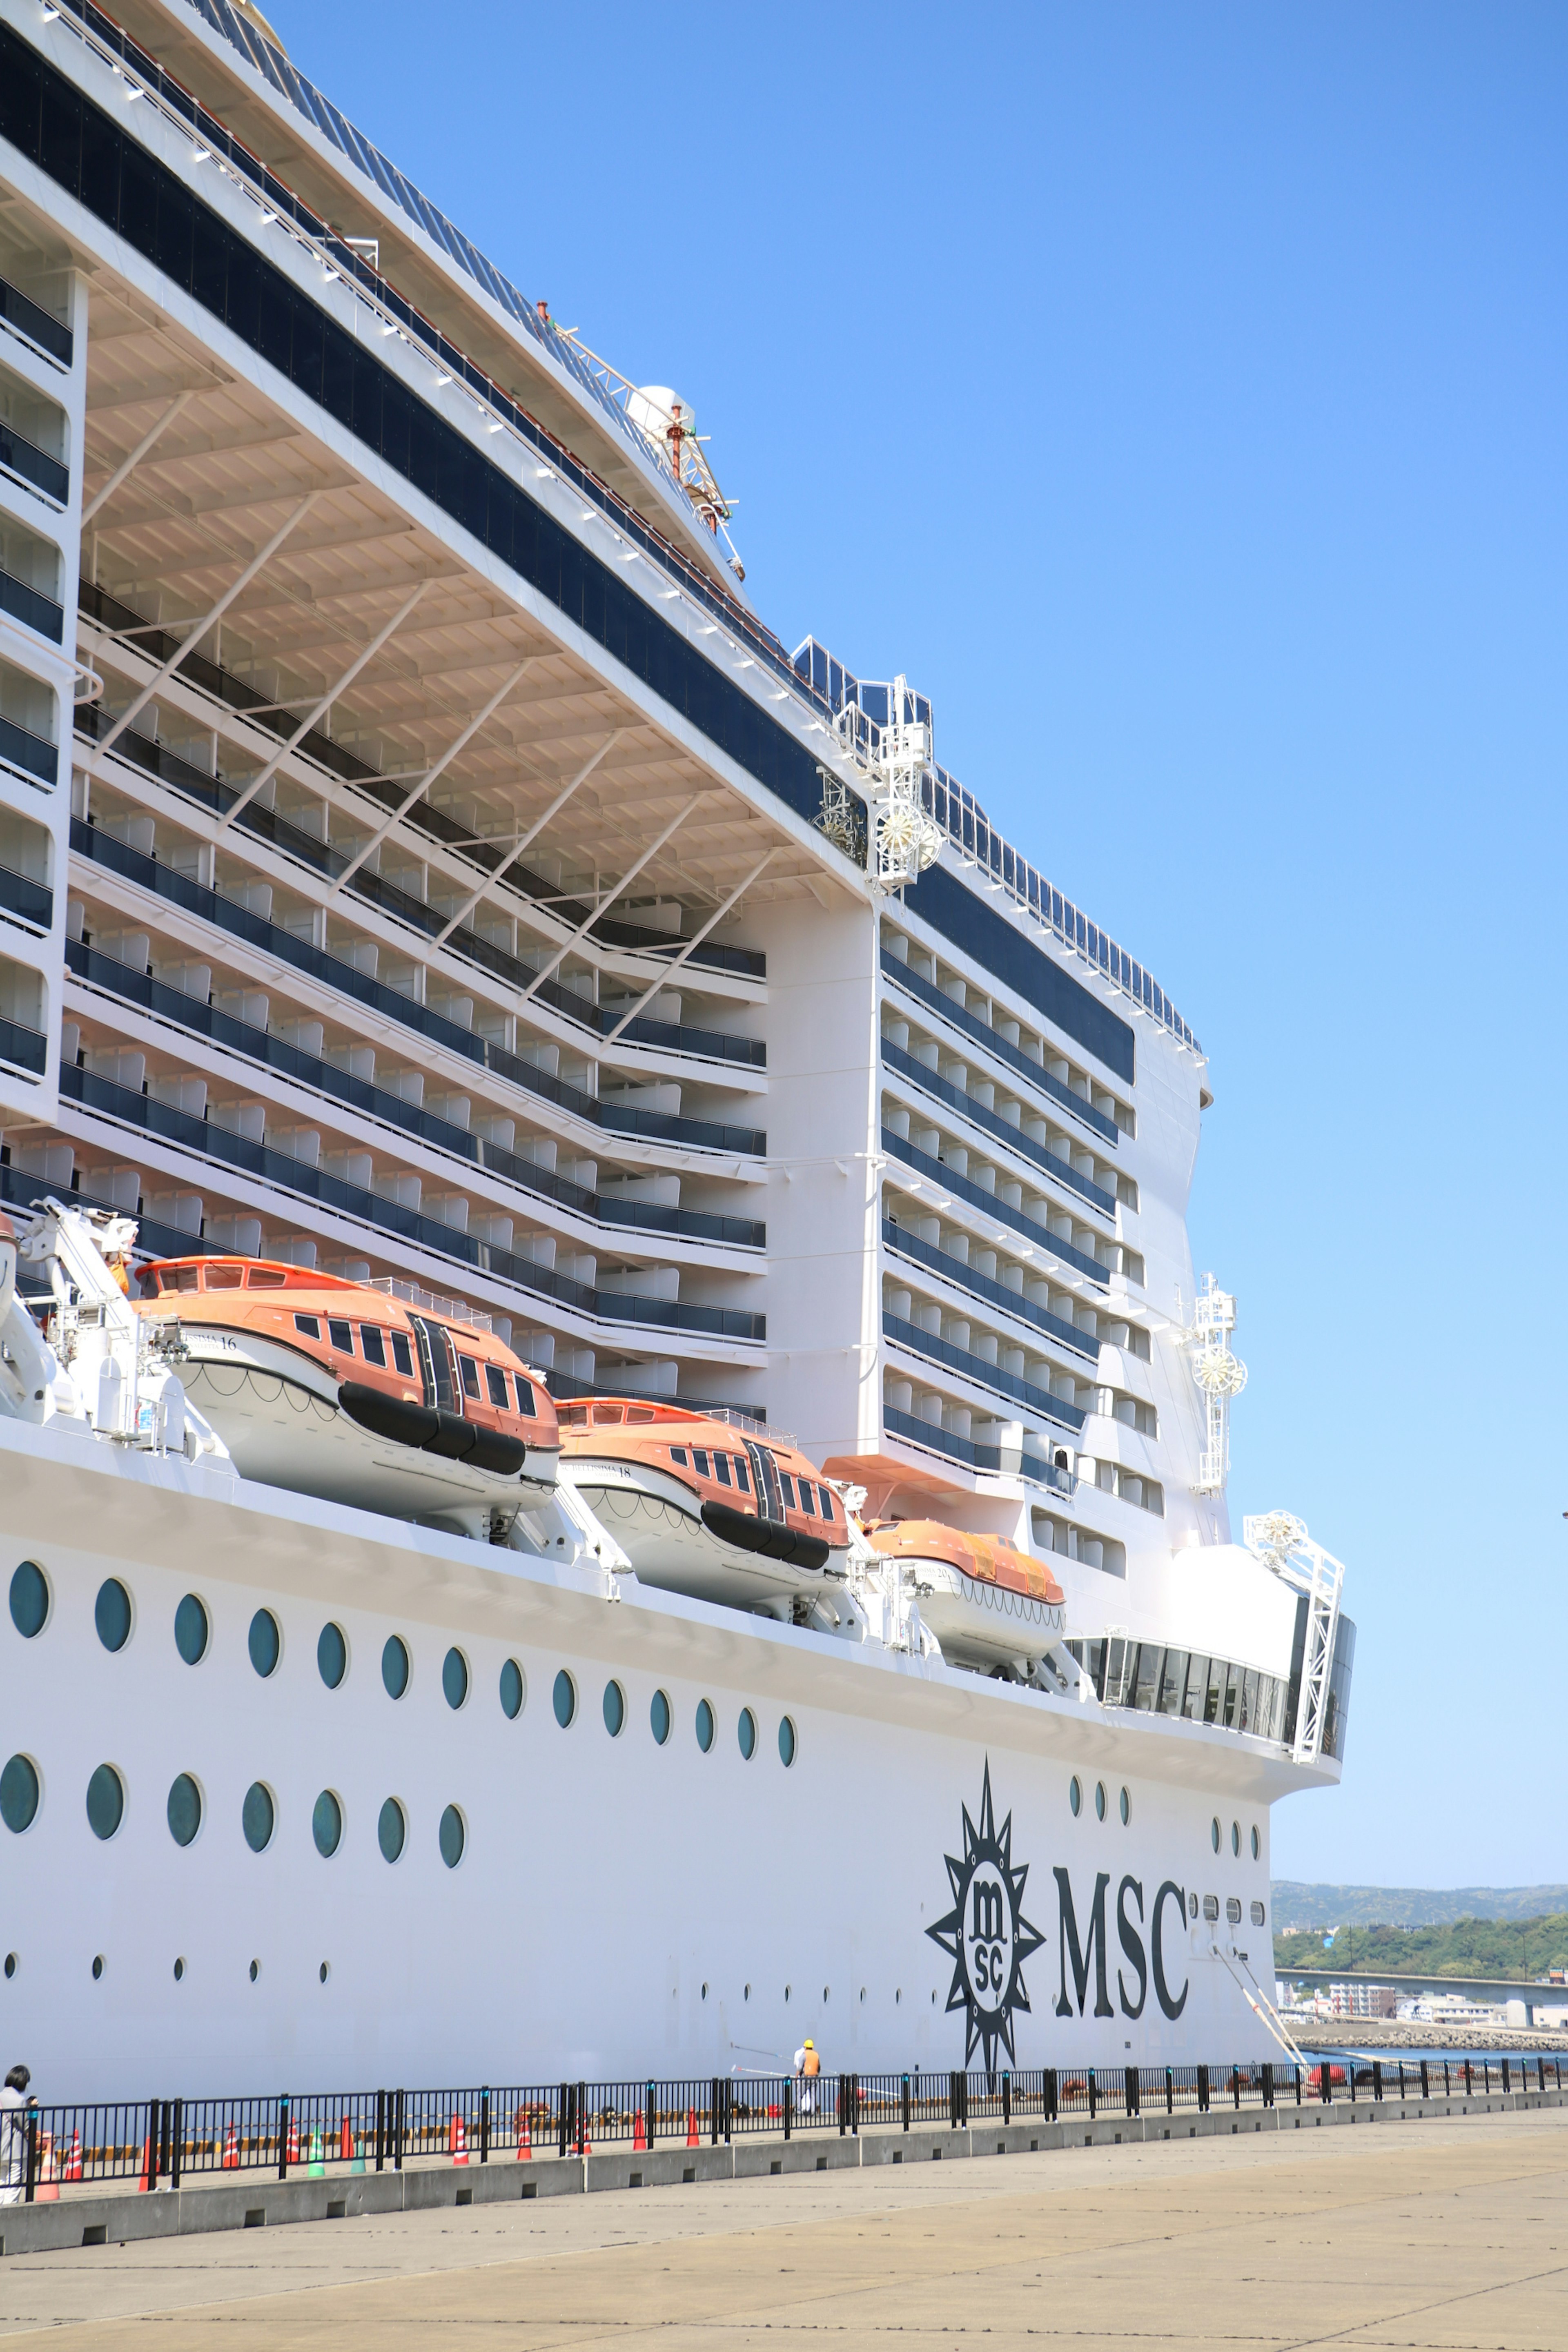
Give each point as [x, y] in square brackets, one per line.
[988, 1603]
[703, 1506]
[342, 1390]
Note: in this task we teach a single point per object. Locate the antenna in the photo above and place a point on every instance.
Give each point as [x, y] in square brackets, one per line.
[1220, 1375]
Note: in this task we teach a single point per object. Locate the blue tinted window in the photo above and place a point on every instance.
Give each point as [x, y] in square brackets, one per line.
[455, 1678]
[615, 1709]
[184, 1810]
[704, 1726]
[331, 1655]
[112, 1613]
[264, 1642]
[511, 1689]
[563, 1698]
[29, 1600]
[786, 1743]
[191, 1629]
[19, 1794]
[746, 1733]
[659, 1717]
[258, 1817]
[453, 1837]
[105, 1801]
[327, 1823]
[391, 1829]
[394, 1666]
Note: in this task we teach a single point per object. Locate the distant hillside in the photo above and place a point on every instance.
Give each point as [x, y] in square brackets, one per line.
[1522, 1948]
[1299, 1905]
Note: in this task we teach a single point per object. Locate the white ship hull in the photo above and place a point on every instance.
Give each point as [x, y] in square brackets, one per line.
[988, 1622]
[657, 1522]
[621, 1909]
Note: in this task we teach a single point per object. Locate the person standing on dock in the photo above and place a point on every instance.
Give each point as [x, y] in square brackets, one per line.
[807, 2067]
[13, 2105]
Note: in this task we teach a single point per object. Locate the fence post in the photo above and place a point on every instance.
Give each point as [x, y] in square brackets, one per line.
[398, 2129]
[1467, 2078]
[561, 2122]
[1402, 2082]
[485, 2124]
[1446, 2093]
[1050, 2089]
[1093, 2096]
[788, 2102]
[650, 2113]
[843, 2104]
[1425, 2084]
[1297, 2071]
[1203, 2090]
[1268, 2083]
[729, 2089]
[1006, 2096]
[1487, 2076]
[964, 2098]
[380, 2130]
[32, 2156]
[283, 2135]
[176, 2139]
[1507, 2078]
[1327, 2086]
[1350, 2071]
[1170, 2091]
[953, 2100]
[906, 2100]
[713, 2111]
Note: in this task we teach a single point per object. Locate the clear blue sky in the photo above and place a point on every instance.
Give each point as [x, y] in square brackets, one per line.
[1176, 394]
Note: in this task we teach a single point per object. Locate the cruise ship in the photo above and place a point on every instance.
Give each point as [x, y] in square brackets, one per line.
[614, 1455]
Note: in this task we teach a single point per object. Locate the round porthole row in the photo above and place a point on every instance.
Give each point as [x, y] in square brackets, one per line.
[112, 1613]
[10, 1965]
[746, 1733]
[789, 1745]
[563, 1699]
[327, 1825]
[179, 1971]
[258, 1817]
[191, 1629]
[394, 1665]
[513, 1690]
[1125, 1804]
[29, 1600]
[659, 1717]
[105, 1801]
[255, 1971]
[615, 1709]
[184, 1810]
[1100, 1800]
[1214, 1833]
[454, 1679]
[264, 1642]
[454, 1837]
[1256, 1843]
[390, 1829]
[19, 1794]
[331, 1655]
[705, 1726]
[97, 1967]
[1075, 1796]
[1236, 1837]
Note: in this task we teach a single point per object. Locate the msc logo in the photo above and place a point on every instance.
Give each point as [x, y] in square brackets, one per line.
[987, 1933]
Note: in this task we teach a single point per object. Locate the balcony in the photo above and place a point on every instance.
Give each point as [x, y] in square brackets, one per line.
[23, 1047]
[31, 902]
[976, 1197]
[118, 857]
[1050, 1163]
[970, 1025]
[980, 1286]
[389, 1218]
[29, 463]
[30, 753]
[932, 1436]
[32, 608]
[24, 318]
[189, 1012]
[936, 1350]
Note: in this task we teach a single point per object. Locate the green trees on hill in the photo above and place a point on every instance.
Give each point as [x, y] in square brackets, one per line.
[1525, 1948]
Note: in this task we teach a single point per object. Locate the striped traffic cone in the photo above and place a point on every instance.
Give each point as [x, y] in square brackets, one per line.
[639, 2133]
[691, 2139]
[47, 2189]
[293, 2139]
[346, 2143]
[458, 2141]
[317, 2167]
[73, 2161]
[146, 2162]
[230, 2149]
[524, 2138]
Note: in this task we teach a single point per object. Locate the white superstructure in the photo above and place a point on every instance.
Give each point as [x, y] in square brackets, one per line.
[417, 862]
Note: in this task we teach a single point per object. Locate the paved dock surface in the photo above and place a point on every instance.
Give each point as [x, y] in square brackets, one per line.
[1452, 2234]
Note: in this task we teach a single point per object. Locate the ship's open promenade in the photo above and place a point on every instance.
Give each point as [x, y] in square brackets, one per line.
[1447, 2233]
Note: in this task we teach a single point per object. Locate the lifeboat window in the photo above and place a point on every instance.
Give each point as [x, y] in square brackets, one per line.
[808, 1500]
[525, 1402]
[402, 1354]
[678, 1453]
[225, 1278]
[608, 1413]
[470, 1373]
[372, 1346]
[266, 1277]
[341, 1335]
[311, 1325]
[180, 1277]
[573, 1416]
[721, 1470]
[495, 1382]
[700, 1462]
[825, 1493]
[640, 1413]
[788, 1483]
[742, 1476]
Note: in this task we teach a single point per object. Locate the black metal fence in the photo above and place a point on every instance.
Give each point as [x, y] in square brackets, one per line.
[154, 2142]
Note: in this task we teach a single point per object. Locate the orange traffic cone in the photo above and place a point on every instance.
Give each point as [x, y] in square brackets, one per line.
[47, 2191]
[639, 2134]
[346, 2144]
[293, 2139]
[146, 2161]
[73, 2161]
[524, 2139]
[230, 2149]
[691, 2139]
[458, 2141]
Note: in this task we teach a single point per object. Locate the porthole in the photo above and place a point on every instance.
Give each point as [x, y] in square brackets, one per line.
[29, 1600]
[97, 1967]
[10, 1965]
[258, 1817]
[1100, 1800]
[788, 1744]
[325, 1971]
[704, 1992]
[1125, 1803]
[512, 1690]
[615, 1709]
[331, 1655]
[1236, 1837]
[454, 1679]
[746, 1733]
[1256, 1843]
[391, 1829]
[659, 1717]
[705, 1726]
[19, 1794]
[394, 1665]
[1075, 1795]
[112, 1613]
[264, 1643]
[745, 1992]
[184, 1810]
[255, 1971]
[897, 1995]
[191, 1629]
[1214, 1833]
[454, 1837]
[105, 1801]
[179, 1971]
[788, 1989]
[825, 1993]
[563, 1698]
[862, 1992]
[327, 1825]
[933, 1999]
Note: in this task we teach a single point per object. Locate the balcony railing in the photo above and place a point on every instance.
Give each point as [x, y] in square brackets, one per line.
[34, 465]
[978, 1197]
[389, 1218]
[34, 610]
[1060, 1171]
[25, 1048]
[936, 1350]
[31, 902]
[970, 1025]
[89, 840]
[21, 749]
[21, 313]
[205, 1020]
[980, 1286]
[937, 1440]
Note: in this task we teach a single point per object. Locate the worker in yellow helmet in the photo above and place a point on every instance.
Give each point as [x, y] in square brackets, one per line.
[807, 2067]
